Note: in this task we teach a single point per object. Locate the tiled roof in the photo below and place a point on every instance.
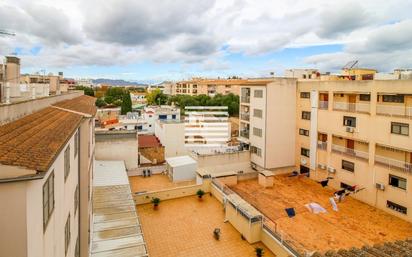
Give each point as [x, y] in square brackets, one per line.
[34, 140]
[84, 104]
[148, 141]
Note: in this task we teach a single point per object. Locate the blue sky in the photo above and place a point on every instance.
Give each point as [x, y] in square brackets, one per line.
[178, 39]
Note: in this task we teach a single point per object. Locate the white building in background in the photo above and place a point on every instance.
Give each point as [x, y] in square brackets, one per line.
[84, 82]
[302, 73]
[151, 114]
[206, 126]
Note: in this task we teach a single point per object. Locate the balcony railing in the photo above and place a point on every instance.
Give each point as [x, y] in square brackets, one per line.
[350, 152]
[393, 164]
[323, 105]
[352, 107]
[394, 110]
[244, 133]
[322, 145]
[245, 99]
[245, 116]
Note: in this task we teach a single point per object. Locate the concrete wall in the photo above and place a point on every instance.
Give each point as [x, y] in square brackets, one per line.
[223, 163]
[172, 137]
[117, 146]
[17, 110]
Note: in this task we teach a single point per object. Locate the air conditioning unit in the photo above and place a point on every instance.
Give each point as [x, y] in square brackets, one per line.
[322, 167]
[380, 186]
[331, 170]
[303, 161]
[350, 129]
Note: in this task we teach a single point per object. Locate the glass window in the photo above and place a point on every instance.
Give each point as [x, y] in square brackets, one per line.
[396, 207]
[304, 94]
[256, 150]
[349, 166]
[400, 128]
[66, 162]
[396, 181]
[393, 98]
[349, 121]
[364, 97]
[258, 93]
[304, 132]
[257, 113]
[257, 132]
[305, 115]
[67, 235]
[304, 152]
[48, 199]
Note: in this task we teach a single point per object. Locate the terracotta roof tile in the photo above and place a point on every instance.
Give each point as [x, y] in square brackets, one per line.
[34, 140]
[83, 104]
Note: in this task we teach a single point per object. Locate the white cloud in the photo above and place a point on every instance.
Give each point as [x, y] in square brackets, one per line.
[202, 33]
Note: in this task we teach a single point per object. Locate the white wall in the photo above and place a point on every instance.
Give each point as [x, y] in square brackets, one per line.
[117, 149]
[172, 137]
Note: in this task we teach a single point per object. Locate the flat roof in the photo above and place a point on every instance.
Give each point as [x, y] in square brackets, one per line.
[355, 224]
[116, 226]
[180, 161]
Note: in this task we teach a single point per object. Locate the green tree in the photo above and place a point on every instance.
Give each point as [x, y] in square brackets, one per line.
[156, 97]
[87, 90]
[109, 99]
[100, 102]
[126, 103]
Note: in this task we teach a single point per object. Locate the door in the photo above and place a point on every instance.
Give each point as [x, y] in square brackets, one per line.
[304, 169]
[350, 146]
[352, 103]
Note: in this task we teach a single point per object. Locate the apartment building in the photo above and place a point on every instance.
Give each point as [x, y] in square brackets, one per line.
[153, 113]
[265, 124]
[210, 87]
[358, 132]
[46, 166]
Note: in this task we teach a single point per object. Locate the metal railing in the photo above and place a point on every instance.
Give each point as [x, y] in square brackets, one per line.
[393, 164]
[394, 110]
[352, 107]
[322, 145]
[245, 99]
[245, 116]
[350, 152]
[323, 105]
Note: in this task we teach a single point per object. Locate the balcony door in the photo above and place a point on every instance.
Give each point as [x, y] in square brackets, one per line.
[350, 145]
[352, 103]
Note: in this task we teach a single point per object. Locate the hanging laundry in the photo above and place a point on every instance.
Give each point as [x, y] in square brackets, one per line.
[334, 205]
[315, 208]
[291, 212]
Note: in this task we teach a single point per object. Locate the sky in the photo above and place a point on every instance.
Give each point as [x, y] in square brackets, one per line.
[152, 41]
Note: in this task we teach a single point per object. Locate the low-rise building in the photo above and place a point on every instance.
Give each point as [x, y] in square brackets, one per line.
[151, 114]
[210, 87]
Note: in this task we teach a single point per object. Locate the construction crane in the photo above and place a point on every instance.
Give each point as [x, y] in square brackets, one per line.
[350, 65]
[6, 33]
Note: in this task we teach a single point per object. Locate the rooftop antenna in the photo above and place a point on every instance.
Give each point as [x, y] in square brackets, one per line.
[350, 65]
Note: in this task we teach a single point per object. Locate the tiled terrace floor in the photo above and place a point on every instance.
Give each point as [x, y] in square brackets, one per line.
[354, 225]
[184, 227]
[155, 182]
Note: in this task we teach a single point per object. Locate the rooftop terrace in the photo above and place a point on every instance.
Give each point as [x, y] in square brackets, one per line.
[355, 224]
[155, 182]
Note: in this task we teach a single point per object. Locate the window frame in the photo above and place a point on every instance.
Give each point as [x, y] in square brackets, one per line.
[67, 235]
[76, 198]
[393, 98]
[345, 167]
[351, 119]
[49, 184]
[260, 95]
[257, 110]
[397, 185]
[400, 125]
[76, 143]
[305, 95]
[66, 162]
[257, 132]
[363, 96]
[306, 115]
[302, 132]
[304, 152]
[396, 207]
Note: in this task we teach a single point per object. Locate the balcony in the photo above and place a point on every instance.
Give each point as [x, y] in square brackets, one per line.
[245, 99]
[352, 107]
[350, 152]
[394, 110]
[322, 145]
[244, 116]
[323, 105]
[244, 133]
[393, 164]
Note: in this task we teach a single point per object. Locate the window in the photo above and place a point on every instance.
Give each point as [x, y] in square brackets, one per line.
[76, 199]
[258, 93]
[349, 121]
[396, 207]
[162, 117]
[305, 115]
[349, 166]
[304, 132]
[256, 150]
[67, 235]
[257, 113]
[393, 98]
[400, 128]
[194, 86]
[48, 200]
[66, 162]
[364, 97]
[304, 152]
[174, 116]
[304, 94]
[257, 132]
[396, 181]
[76, 144]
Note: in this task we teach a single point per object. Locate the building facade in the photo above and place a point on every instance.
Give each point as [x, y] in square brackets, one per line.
[46, 166]
[210, 87]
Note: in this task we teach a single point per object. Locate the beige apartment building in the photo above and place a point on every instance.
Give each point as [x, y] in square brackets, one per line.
[355, 132]
[46, 166]
[210, 87]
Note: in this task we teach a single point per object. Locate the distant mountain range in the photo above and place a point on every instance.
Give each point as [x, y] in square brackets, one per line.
[118, 82]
